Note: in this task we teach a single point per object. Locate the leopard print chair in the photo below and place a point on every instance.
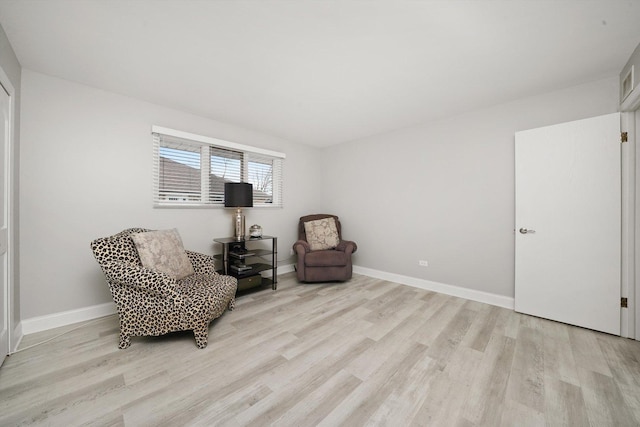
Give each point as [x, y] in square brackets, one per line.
[153, 303]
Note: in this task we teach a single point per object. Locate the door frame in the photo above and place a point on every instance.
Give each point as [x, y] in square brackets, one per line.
[630, 123]
[635, 213]
[10, 194]
[628, 316]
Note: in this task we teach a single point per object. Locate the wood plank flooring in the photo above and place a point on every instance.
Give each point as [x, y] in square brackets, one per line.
[363, 353]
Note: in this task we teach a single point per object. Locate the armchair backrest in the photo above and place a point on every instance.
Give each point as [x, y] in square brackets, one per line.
[119, 247]
[302, 235]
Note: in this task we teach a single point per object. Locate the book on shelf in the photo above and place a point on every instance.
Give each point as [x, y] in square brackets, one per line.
[240, 268]
[241, 255]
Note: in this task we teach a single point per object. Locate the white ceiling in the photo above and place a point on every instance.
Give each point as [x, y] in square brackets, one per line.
[324, 72]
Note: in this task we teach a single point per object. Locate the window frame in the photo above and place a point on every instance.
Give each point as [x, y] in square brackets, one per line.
[164, 137]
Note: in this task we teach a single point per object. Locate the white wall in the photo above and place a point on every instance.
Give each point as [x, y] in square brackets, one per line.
[86, 173]
[444, 191]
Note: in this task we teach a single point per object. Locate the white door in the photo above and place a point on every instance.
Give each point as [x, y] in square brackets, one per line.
[5, 123]
[568, 220]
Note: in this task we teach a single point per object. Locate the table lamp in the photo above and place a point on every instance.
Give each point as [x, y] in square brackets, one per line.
[238, 195]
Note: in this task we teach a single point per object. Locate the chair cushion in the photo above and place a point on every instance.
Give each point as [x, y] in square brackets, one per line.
[322, 234]
[328, 258]
[162, 250]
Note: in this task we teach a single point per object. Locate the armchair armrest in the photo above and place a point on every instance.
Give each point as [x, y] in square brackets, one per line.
[202, 264]
[347, 246]
[133, 275]
[301, 247]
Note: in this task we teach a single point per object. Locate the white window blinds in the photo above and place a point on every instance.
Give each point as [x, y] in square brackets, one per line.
[190, 170]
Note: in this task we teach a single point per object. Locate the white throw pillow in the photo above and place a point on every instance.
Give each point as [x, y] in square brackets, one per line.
[162, 250]
[322, 234]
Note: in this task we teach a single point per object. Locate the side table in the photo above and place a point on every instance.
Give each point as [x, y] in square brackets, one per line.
[245, 259]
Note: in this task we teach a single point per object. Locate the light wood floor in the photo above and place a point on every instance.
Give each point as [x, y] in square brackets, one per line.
[367, 352]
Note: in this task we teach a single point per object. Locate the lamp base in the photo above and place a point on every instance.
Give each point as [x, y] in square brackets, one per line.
[238, 225]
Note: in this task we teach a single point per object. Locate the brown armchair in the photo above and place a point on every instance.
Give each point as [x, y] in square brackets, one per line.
[323, 265]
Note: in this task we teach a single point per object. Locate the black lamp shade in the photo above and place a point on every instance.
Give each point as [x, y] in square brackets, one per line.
[238, 195]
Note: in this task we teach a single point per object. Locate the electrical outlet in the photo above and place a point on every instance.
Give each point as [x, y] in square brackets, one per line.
[423, 263]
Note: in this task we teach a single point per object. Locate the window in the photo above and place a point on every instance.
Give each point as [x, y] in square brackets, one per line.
[190, 170]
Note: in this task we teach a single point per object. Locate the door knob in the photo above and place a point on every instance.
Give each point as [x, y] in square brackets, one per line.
[525, 231]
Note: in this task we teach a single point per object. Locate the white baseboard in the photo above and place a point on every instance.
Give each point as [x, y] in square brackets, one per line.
[286, 269]
[16, 337]
[456, 291]
[282, 269]
[55, 320]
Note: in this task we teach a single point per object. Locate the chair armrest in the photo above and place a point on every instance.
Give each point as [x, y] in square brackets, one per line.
[301, 247]
[133, 275]
[347, 246]
[202, 264]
